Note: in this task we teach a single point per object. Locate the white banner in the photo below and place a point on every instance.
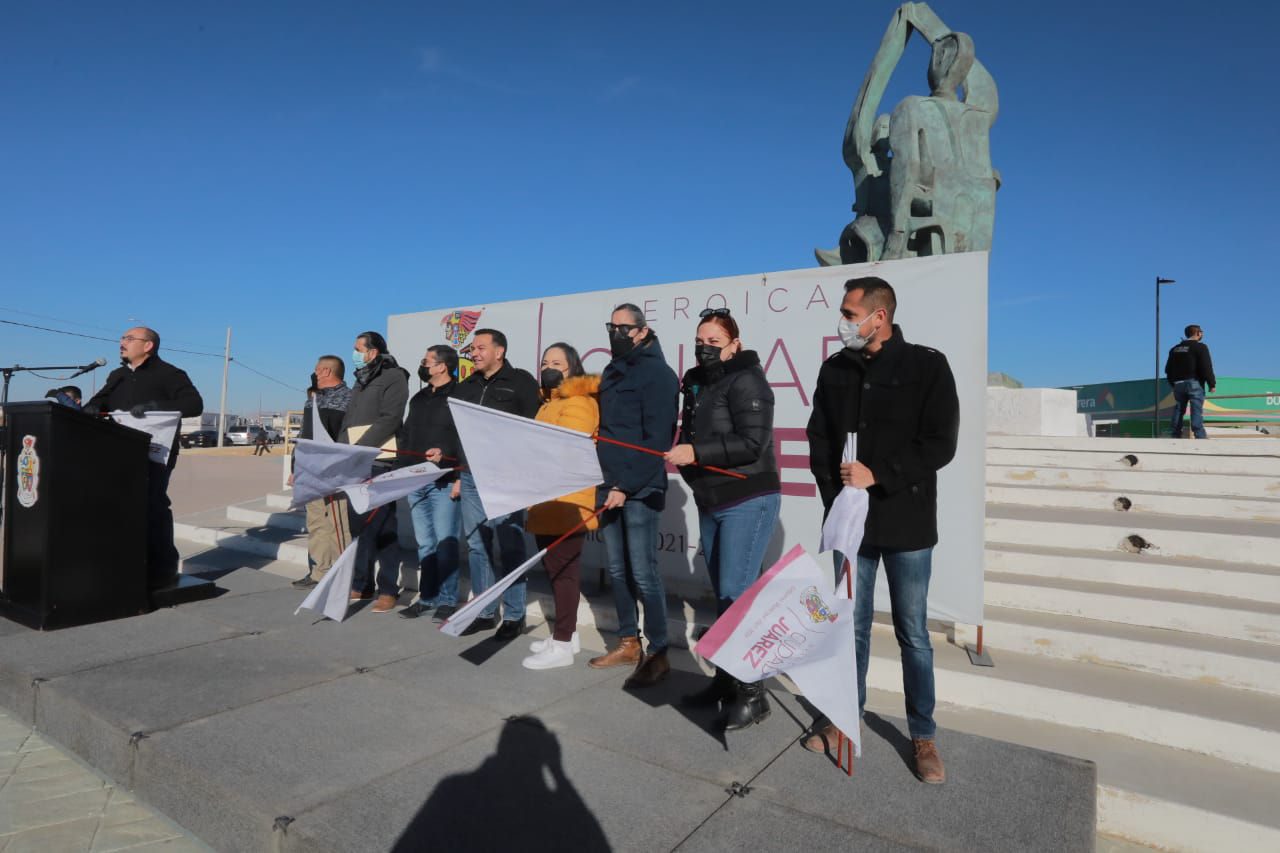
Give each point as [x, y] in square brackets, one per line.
[323, 468]
[845, 524]
[790, 319]
[332, 596]
[518, 462]
[318, 432]
[386, 488]
[790, 621]
[161, 426]
[467, 613]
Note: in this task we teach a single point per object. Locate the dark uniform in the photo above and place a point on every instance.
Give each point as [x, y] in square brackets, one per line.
[154, 386]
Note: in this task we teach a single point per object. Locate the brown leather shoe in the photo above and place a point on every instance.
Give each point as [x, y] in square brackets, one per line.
[359, 596]
[651, 670]
[384, 604]
[626, 653]
[929, 767]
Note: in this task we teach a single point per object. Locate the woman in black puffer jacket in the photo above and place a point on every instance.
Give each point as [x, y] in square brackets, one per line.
[728, 423]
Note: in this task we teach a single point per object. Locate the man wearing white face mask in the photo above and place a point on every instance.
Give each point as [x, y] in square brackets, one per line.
[900, 400]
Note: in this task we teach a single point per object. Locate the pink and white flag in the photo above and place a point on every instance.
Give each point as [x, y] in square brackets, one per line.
[790, 621]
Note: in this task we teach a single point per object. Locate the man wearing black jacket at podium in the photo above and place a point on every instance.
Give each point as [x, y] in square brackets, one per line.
[144, 383]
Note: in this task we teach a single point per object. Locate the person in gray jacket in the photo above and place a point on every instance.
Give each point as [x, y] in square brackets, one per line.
[374, 415]
[728, 423]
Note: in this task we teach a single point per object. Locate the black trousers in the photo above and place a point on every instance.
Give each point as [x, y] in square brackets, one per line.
[162, 556]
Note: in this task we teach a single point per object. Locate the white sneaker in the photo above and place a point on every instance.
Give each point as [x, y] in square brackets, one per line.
[538, 645]
[555, 654]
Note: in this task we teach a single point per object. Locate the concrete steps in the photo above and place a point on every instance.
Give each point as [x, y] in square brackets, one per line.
[1136, 503]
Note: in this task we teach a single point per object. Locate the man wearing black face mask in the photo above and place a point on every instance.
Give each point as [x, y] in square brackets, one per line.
[326, 517]
[637, 405]
[428, 430]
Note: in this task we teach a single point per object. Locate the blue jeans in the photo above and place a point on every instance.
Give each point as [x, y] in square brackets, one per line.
[508, 531]
[435, 527]
[1189, 390]
[733, 543]
[630, 536]
[908, 575]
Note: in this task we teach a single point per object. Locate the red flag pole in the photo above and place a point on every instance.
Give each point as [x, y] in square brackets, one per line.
[653, 452]
[840, 737]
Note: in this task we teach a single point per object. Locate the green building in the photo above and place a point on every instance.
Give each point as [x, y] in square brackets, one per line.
[1124, 408]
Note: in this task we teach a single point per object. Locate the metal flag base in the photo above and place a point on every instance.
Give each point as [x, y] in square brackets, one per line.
[978, 655]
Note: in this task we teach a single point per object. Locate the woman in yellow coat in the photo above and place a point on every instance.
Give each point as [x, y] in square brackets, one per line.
[569, 400]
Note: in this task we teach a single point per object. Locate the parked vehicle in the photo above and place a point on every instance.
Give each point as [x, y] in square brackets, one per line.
[204, 438]
[244, 436]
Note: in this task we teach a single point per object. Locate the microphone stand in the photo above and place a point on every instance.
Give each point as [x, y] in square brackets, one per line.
[18, 368]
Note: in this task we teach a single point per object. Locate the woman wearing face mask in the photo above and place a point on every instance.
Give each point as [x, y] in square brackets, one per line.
[728, 423]
[569, 400]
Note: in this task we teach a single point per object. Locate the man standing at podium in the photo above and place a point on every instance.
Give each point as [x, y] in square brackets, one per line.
[145, 383]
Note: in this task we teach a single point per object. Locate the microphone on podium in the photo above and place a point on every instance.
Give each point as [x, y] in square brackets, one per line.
[88, 367]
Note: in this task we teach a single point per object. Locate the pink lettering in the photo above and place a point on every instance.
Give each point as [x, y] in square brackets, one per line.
[724, 303]
[649, 312]
[680, 305]
[793, 461]
[780, 346]
[817, 296]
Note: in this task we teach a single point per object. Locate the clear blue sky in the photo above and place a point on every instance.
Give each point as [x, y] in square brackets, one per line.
[299, 171]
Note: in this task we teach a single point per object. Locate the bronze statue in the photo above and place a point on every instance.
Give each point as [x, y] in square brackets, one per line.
[922, 177]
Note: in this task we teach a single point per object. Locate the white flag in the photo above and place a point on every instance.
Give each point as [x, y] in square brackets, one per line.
[790, 621]
[843, 529]
[467, 613]
[386, 488]
[161, 426]
[332, 596]
[318, 432]
[323, 468]
[518, 462]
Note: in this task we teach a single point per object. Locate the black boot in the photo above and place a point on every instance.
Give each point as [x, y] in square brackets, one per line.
[750, 706]
[719, 690]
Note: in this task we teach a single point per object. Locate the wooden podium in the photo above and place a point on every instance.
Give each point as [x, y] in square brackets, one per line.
[75, 518]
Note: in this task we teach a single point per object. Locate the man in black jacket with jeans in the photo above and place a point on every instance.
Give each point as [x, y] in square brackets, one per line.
[1189, 370]
[900, 400]
[144, 383]
[495, 384]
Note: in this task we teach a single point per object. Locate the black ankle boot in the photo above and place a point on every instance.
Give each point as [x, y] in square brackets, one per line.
[719, 690]
[750, 706]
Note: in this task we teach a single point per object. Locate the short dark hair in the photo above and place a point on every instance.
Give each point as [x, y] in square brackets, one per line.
[570, 355]
[373, 340]
[336, 365]
[1190, 330]
[446, 355]
[637, 316]
[72, 391]
[151, 335]
[876, 292]
[499, 339]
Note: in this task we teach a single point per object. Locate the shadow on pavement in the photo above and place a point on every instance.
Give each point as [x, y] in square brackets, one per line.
[521, 789]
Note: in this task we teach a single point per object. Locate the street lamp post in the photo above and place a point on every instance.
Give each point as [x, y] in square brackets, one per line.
[1155, 384]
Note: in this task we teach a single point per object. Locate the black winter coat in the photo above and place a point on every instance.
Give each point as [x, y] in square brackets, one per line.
[728, 418]
[430, 424]
[902, 404]
[509, 390]
[638, 398]
[155, 384]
